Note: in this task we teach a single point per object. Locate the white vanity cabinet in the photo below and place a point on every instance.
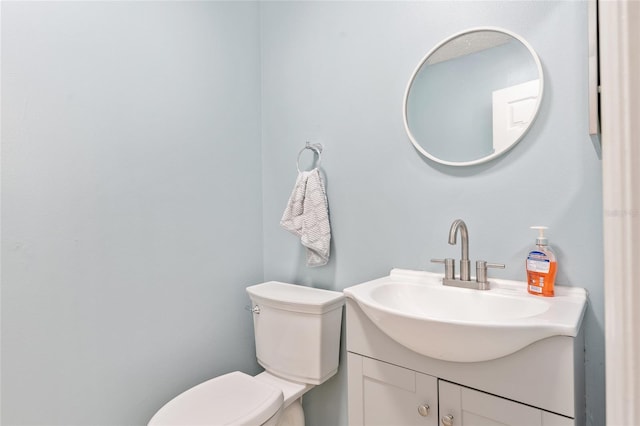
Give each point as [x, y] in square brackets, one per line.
[390, 385]
[469, 407]
[383, 394]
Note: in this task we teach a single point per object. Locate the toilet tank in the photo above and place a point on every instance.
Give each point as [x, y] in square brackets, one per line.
[297, 330]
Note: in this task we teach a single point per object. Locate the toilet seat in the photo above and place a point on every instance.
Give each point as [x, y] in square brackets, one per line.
[291, 391]
[232, 399]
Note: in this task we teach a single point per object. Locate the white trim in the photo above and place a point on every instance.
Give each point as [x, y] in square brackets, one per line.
[594, 83]
[620, 83]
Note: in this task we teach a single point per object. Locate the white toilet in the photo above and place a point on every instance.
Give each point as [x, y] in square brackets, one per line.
[297, 332]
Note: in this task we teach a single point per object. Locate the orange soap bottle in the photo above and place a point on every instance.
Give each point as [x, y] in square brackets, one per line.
[541, 266]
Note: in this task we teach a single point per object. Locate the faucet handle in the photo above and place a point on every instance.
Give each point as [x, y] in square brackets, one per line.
[481, 270]
[449, 267]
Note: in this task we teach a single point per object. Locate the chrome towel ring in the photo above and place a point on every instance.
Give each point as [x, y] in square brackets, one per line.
[316, 148]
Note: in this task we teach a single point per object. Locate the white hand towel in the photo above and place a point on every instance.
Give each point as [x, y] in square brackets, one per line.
[307, 216]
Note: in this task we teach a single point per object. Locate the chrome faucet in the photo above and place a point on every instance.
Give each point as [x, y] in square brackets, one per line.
[481, 282]
[465, 263]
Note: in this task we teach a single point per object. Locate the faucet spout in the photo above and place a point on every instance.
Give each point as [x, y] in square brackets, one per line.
[458, 225]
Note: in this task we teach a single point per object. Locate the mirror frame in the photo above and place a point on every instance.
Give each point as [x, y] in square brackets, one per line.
[426, 57]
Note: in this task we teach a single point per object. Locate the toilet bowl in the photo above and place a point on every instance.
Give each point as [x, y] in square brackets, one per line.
[297, 334]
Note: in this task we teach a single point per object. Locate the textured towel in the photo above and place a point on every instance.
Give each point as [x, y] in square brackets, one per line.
[307, 216]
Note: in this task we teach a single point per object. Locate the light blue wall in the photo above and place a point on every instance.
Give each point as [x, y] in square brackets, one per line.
[335, 72]
[131, 204]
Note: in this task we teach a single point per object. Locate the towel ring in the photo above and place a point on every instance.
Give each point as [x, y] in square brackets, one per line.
[315, 147]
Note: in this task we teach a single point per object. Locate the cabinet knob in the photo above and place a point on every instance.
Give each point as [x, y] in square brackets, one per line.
[447, 420]
[423, 410]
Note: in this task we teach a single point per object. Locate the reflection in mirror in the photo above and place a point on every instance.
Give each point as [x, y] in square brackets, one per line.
[473, 96]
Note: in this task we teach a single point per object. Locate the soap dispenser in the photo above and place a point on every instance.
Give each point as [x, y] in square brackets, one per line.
[541, 266]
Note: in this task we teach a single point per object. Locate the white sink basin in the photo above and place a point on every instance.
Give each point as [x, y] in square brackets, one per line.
[462, 325]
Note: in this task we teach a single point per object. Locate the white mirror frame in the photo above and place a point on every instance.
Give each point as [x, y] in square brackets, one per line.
[417, 69]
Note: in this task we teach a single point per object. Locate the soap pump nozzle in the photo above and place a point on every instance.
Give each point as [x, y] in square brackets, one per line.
[541, 240]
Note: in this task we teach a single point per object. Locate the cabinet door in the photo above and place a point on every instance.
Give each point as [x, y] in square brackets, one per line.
[382, 394]
[468, 407]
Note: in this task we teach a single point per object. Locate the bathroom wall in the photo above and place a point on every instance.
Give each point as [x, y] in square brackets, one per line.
[335, 72]
[131, 204]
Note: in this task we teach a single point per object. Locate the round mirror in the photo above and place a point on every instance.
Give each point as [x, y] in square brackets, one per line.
[473, 96]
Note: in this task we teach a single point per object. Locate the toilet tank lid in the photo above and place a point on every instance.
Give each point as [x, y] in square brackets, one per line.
[232, 399]
[296, 298]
